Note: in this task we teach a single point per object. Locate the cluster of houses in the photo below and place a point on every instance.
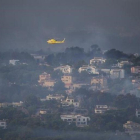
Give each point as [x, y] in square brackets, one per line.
[72, 117]
[14, 104]
[96, 82]
[99, 81]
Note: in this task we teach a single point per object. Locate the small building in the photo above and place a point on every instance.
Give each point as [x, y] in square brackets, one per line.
[97, 61]
[136, 54]
[100, 82]
[55, 97]
[114, 73]
[100, 109]
[14, 104]
[45, 80]
[122, 63]
[135, 69]
[83, 68]
[13, 62]
[79, 120]
[5, 104]
[78, 85]
[38, 57]
[117, 73]
[43, 111]
[135, 81]
[107, 71]
[17, 104]
[138, 113]
[67, 80]
[70, 101]
[44, 77]
[3, 124]
[49, 83]
[88, 69]
[65, 69]
[131, 128]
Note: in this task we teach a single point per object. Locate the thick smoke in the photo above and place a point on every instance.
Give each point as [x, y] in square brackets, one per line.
[110, 24]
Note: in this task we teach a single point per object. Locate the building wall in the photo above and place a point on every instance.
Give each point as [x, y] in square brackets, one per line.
[97, 60]
[55, 97]
[138, 113]
[101, 81]
[3, 124]
[49, 83]
[135, 69]
[117, 73]
[79, 120]
[13, 62]
[67, 80]
[69, 102]
[44, 77]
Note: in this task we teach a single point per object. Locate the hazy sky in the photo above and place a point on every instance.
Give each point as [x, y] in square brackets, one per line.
[27, 24]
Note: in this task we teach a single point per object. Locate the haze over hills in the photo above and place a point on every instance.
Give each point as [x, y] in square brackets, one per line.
[26, 25]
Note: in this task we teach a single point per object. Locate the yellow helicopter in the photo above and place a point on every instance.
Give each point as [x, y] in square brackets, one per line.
[53, 41]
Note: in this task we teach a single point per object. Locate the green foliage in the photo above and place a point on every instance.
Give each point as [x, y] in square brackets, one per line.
[51, 104]
[128, 100]
[79, 64]
[59, 86]
[56, 74]
[115, 54]
[108, 63]
[117, 86]
[70, 56]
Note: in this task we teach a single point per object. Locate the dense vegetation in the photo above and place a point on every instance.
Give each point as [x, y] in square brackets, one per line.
[20, 83]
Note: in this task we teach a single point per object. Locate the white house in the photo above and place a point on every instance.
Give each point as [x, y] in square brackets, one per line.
[122, 63]
[131, 127]
[17, 104]
[114, 73]
[97, 60]
[38, 57]
[70, 101]
[100, 109]
[117, 73]
[138, 113]
[79, 120]
[3, 124]
[13, 62]
[64, 69]
[107, 71]
[83, 68]
[89, 69]
[55, 97]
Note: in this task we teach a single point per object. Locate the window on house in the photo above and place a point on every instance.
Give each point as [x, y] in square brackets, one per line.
[83, 122]
[2, 123]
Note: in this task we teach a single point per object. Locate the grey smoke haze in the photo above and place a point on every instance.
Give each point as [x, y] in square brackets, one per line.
[27, 24]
